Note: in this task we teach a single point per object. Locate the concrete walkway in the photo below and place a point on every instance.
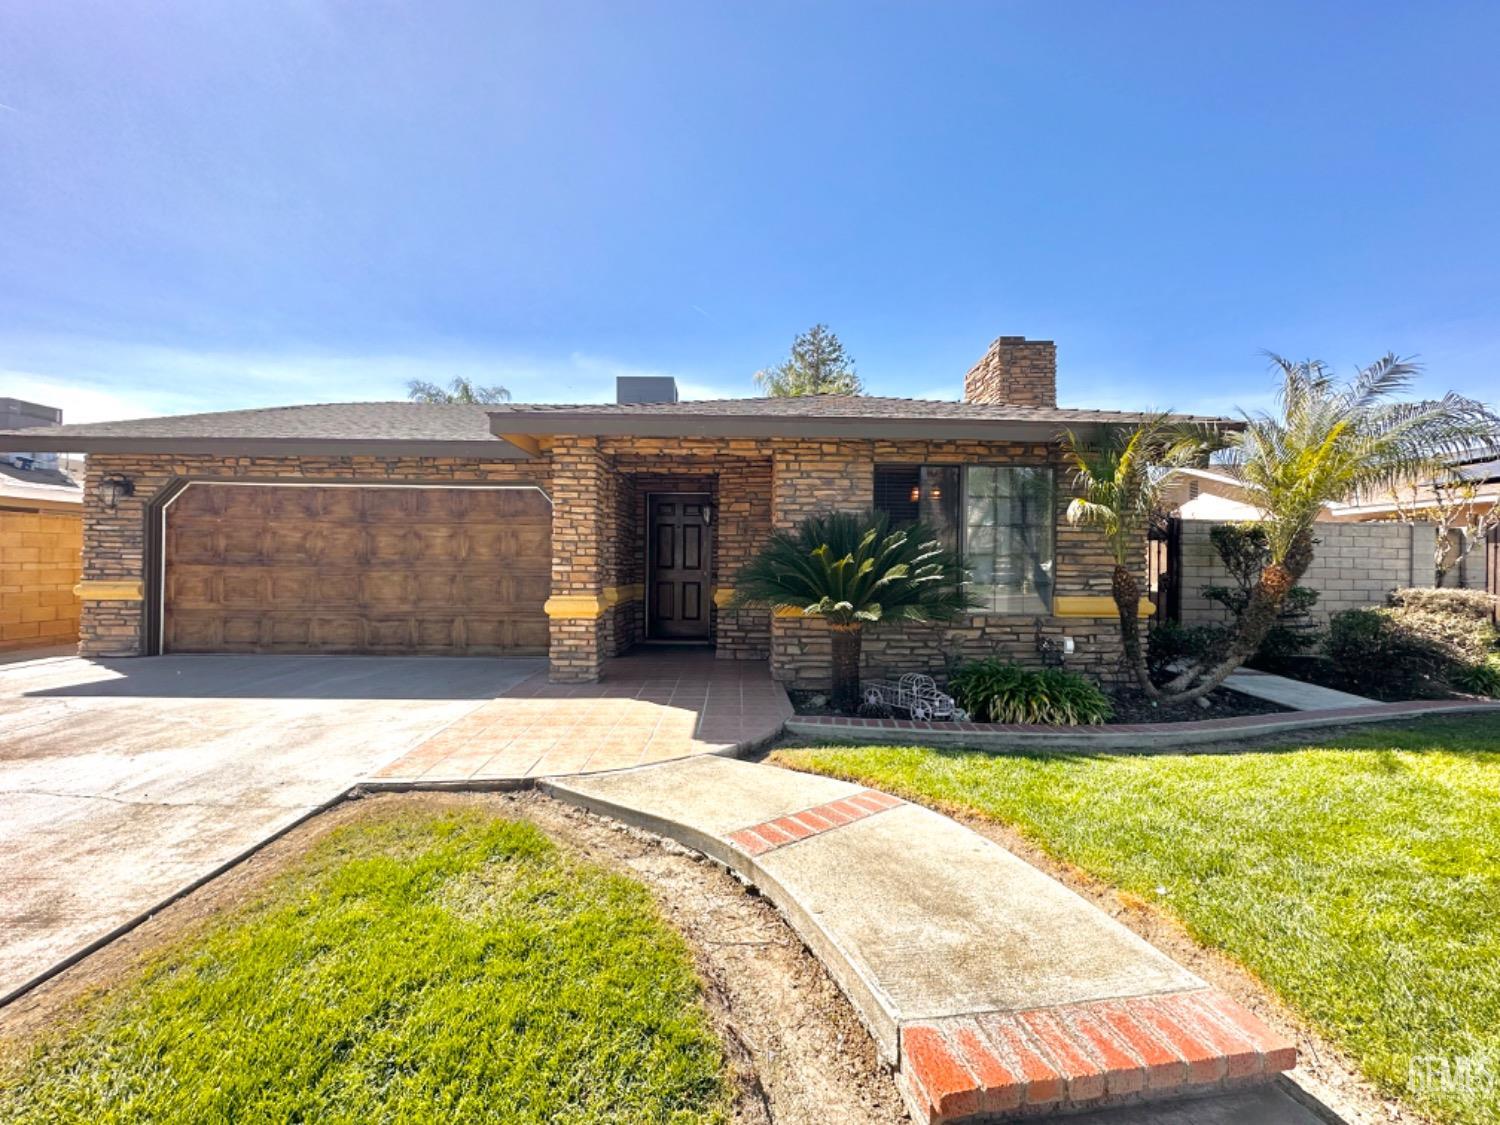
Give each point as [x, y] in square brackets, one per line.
[991, 987]
[1296, 694]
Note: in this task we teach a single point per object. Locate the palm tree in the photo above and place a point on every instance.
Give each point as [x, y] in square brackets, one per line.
[460, 390]
[1120, 483]
[1326, 442]
[854, 570]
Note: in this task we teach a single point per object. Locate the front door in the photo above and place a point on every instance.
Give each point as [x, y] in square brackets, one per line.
[678, 567]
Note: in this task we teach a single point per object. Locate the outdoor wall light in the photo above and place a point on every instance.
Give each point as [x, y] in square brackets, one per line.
[1053, 650]
[708, 513]
[111, 488]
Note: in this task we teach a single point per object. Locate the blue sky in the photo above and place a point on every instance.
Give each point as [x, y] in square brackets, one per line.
[206, 206]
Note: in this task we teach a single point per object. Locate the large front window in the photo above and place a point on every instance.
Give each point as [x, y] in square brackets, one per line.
[1000, 517]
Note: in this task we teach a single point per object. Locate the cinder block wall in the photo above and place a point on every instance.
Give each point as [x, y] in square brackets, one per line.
[41, 560]
[1354, 565]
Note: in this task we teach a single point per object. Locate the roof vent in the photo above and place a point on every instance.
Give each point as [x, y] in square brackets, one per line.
[645, 388]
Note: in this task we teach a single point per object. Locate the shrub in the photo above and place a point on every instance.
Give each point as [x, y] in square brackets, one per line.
[1456, 621]
[996, 692]
[1478, 679]
[1378, 653]
[1473, 604]
[1170, 643]
[1245, 551]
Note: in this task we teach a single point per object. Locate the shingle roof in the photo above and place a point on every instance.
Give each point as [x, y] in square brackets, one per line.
[462, 428]
[38, 484]
[838, 406]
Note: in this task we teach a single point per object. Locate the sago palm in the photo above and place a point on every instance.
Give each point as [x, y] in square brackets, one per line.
[853, 570]
[1120, 482]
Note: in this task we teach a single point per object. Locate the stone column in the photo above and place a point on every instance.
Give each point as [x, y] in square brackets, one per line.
[583, 519]
[744, 521]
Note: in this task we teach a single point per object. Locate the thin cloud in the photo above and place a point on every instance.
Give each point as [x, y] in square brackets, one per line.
[104, 381]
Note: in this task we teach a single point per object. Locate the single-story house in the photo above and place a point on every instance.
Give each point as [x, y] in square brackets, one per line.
[41, 539]
[578, 531]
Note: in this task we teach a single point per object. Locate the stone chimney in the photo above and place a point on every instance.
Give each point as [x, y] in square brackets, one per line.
[1016, 372]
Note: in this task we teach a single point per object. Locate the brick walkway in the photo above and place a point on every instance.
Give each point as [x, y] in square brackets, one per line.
[649, 706]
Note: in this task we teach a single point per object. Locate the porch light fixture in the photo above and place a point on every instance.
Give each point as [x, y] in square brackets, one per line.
[708, 513]
[111, 488]
[1054, 650]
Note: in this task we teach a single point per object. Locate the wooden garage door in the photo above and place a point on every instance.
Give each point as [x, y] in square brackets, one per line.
[460, 571]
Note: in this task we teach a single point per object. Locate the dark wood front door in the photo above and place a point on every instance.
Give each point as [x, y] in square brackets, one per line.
[678, 568]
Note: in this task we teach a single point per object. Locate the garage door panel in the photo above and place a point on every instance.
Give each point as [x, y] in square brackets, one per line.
[437, 543]
[240, 542]
[351, 569]
[288, 542]
[335, 633]
[195, 544]
[385, 589]
[290, 634]
[340, 544]
[338, 504]
[335, 589]
[389, 504]
[238, 504]
[442, 591]
[249, 588]
[193, 586]
[387, 544]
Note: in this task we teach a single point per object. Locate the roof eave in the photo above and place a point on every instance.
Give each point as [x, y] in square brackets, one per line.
[705, 426]
[38, 441]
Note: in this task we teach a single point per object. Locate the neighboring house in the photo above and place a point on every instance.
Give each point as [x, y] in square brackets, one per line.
[41, 539]
[579, 531]
[1352, 568]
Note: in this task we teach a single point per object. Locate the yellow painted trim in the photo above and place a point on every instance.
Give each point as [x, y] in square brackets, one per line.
[1082, 606]
[788, 611]
[526, 443]
[614, 595]
[723, 595]
[99, 591]
[575, 605]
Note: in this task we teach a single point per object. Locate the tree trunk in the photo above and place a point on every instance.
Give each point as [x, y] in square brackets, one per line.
[1266, 599]
[846, 647]
[1127, 594]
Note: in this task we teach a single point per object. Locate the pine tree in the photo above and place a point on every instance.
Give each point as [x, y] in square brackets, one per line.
[818, 365]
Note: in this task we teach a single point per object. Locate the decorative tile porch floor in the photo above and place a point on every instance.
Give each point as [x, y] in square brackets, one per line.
[648, 706]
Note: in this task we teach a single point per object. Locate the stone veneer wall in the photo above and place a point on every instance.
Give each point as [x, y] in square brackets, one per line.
[813, 476]
[1015, 370]
[114, 541]
[737, 474]
[597, 485]
[743, 523]
[1354, 565]
[585, 552]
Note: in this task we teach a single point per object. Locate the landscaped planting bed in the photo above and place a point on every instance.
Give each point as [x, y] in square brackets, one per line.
[1357, 874]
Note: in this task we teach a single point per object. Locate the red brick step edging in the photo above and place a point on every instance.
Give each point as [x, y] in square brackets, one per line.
[772, 834]
[1020, 1064]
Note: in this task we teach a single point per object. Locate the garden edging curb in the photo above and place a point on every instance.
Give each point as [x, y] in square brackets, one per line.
[1138, 737]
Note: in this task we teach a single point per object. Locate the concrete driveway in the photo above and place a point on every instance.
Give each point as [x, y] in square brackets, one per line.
[124, 781]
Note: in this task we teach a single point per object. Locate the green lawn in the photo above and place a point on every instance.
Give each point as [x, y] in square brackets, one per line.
[417, 966]
[1359, 877]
